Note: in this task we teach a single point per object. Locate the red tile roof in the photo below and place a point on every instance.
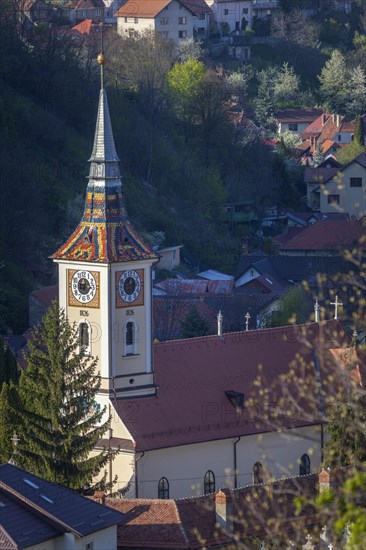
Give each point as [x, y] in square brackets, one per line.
[194, 372]
[335, 235]
[84, 27]
[144, 8]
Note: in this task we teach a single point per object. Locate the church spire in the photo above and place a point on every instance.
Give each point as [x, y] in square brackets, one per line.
[105, 233]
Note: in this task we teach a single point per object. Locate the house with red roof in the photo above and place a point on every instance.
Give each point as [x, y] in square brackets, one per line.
[338, 189]
[173, 19]
[329, 128]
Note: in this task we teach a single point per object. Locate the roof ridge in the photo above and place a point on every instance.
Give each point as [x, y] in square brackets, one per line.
[180, 523]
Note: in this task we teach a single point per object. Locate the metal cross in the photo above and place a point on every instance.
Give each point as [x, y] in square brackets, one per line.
[15, 439]
[336, 304]
[247, 317]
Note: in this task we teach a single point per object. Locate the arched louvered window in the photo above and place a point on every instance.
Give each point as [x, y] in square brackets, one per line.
[304, 465]
[209, 482]
[84, 337]
[130, 338]
[258, 475]
[163, 488]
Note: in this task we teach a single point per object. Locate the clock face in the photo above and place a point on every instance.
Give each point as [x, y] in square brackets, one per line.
[129, 286]
[83, 286]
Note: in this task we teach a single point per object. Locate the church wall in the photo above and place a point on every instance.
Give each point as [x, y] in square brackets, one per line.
[185, 466]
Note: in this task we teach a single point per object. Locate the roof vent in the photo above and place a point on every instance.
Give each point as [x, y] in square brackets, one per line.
[236, 399]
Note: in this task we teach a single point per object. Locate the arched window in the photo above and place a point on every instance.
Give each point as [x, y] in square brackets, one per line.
[84, 337]
[163, 488]
[209, 482]
[304, 465]
[258, 476]
[130, 339]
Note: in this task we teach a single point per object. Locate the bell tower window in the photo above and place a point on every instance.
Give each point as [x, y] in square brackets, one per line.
[84, 338]
[130, 339]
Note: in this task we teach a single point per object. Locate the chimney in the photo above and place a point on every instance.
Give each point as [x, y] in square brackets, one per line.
[99, 496]
[334, 117]
[338, 120]
[219, 323]
[223, 509]
[326, 480]
[324, 118]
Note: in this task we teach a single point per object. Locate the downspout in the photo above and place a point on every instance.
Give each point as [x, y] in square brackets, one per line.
[136, 474]
[235, 464]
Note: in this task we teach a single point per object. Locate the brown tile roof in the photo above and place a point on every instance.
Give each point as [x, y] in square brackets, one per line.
[192, 372]
[328, 144]
[290, 234]
[333, 235]
[142, 8]
[196, 6]
[297, 115]
[46, 295]
[319, 174]
[262, 510]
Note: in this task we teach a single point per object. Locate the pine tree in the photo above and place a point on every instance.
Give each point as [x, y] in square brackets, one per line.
[334, 82]
[11, 367]
[61, 422]
[194, 325]
[2, 364]
[8, 422]
[359, 135]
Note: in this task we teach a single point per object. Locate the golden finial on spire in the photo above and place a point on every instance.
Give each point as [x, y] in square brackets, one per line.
[101, 56]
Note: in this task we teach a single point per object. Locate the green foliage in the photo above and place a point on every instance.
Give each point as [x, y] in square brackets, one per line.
[194, 325]
[60, 423]
[287, 86]
[334, 82]
[8, 421]
[349, 152]
[359, 135]
[184, 80]
[352, 511]
[8, 366]
[294, 308]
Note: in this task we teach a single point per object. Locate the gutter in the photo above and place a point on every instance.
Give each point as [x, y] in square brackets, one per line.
[235, 464]
[136, 474]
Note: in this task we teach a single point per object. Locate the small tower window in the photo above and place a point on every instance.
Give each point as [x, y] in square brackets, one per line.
[163, 488]
[258, 476]
[130, 340]
[304, 465]
[209, 482]
[84, 338]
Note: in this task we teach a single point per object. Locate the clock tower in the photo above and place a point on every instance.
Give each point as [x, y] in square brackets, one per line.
[105, 276]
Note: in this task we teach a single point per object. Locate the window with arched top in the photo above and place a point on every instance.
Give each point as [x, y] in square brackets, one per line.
[130, 338]
[258, 474]
[304, 465]
[163, 488]
[209, 482]
[85, 337]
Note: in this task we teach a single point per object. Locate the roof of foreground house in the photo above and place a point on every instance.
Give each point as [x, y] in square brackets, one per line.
[33, 510]
[335, 235]
[150, 8]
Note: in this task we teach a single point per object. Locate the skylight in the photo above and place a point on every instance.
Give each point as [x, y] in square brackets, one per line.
[30, 483]
[47, 499]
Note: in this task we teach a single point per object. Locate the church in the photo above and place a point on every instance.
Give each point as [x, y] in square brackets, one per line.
[188, 416]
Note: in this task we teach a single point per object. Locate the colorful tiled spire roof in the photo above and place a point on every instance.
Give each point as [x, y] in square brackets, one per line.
[105, 233]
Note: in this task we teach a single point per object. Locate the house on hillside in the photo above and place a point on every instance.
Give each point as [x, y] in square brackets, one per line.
[173, 19]
[37, 514]
[264, 9]
[79, 10]
[295, 120]
[237, 15]
[337, 189]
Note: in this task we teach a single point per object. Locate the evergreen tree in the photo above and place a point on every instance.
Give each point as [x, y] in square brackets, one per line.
[60, 421]
[11, 367]
[287, 85]
[2, 364]
[357, 91]
[359, 135]
[8, 422]
[194, 325]
[265, 103]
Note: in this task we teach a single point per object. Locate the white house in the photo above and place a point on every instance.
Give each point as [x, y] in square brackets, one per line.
[170, 18]
[237, 14]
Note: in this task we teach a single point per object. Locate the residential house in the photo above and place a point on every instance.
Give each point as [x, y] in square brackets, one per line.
[169, 257]
[330, 128]
[170, 18]
[264, 9]
[86, 9]
[236, 15]
[202, 17]
[325, 238]
[337, 189]
[38, 514]
[111, 7]
[37, 11]
[295, 120]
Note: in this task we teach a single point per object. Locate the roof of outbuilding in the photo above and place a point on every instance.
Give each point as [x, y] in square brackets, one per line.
[335, 235]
